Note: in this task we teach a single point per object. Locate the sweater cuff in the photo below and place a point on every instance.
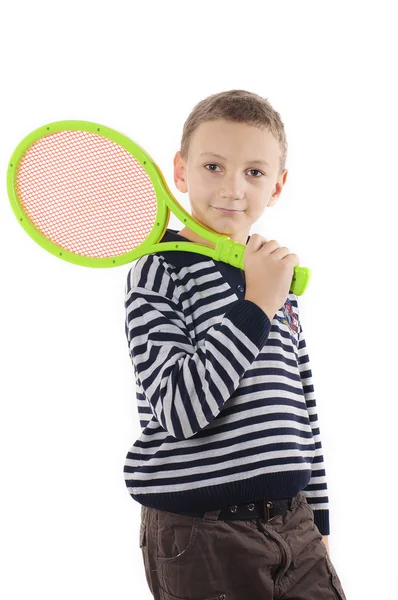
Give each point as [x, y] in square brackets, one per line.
[252, 320]
[321, 520]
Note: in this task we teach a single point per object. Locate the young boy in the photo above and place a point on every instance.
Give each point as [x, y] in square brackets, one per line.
[229, 468]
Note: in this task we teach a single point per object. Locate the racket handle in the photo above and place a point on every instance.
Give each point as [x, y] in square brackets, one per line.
[233, 253]
[301, 277]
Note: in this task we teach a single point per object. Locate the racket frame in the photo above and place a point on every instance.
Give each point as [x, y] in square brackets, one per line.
[225, 249]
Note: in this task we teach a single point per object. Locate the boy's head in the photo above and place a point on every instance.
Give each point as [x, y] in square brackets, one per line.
[243, 128]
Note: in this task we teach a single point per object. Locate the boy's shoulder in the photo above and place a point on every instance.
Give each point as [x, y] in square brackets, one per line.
[176, 258]
[170, 260]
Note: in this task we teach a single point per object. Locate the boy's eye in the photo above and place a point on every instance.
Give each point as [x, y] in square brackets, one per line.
[215, 165]
[211, 165]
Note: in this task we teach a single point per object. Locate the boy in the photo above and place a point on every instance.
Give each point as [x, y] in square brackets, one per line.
[229, 468]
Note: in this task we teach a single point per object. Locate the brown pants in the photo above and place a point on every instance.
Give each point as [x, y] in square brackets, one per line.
[283, 558]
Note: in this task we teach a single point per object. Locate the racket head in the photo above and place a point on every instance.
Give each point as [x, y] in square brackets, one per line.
[142, 173]
[55, 212]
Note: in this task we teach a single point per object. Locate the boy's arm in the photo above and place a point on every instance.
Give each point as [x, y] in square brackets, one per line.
[186, 384]
[316, 489]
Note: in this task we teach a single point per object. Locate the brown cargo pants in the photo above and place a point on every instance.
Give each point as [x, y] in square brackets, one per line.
[279, 556]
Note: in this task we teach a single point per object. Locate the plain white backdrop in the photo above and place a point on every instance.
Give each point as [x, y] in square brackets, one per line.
[69, 528]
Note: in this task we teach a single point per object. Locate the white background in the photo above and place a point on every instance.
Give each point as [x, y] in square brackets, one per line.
[69, 528]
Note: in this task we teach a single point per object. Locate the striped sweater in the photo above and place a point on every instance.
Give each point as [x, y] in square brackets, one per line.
[225, 396]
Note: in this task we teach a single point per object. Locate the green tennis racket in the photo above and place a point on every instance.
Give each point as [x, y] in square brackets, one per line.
[92, 196]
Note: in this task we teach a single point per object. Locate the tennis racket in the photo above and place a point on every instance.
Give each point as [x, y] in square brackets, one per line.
[92, 196]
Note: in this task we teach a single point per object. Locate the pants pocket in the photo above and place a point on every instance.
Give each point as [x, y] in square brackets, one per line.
[143, 542]
[142, 535]
[176, 536]
[336, 583]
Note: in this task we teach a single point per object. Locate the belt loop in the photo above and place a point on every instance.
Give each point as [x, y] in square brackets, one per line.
[211, 515]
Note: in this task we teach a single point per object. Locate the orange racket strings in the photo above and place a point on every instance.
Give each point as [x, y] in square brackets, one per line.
[86, 194]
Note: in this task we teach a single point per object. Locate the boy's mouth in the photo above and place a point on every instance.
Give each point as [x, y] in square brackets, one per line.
[226, 210]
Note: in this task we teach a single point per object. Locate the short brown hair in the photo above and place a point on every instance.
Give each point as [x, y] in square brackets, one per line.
[240, 106]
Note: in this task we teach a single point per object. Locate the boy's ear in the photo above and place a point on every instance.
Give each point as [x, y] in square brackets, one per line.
[180, 173]
[278, 188]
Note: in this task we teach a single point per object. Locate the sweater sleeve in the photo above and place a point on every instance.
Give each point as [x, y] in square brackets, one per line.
[316, 489]
[186, 385]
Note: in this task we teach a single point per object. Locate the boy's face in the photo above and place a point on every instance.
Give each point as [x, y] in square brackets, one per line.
[234, 182]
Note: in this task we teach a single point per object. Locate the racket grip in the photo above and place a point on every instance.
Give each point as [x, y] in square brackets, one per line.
[233, 253]
[301, 277]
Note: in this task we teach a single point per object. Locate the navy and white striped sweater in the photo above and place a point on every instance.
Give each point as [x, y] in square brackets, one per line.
[225, 396]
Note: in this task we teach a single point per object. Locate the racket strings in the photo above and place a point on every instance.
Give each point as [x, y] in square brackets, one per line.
[86, 194]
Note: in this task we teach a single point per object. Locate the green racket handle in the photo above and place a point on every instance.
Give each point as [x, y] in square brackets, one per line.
[229, 251]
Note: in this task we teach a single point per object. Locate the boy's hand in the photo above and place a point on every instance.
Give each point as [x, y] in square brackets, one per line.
[325, 540]
[268, 273]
